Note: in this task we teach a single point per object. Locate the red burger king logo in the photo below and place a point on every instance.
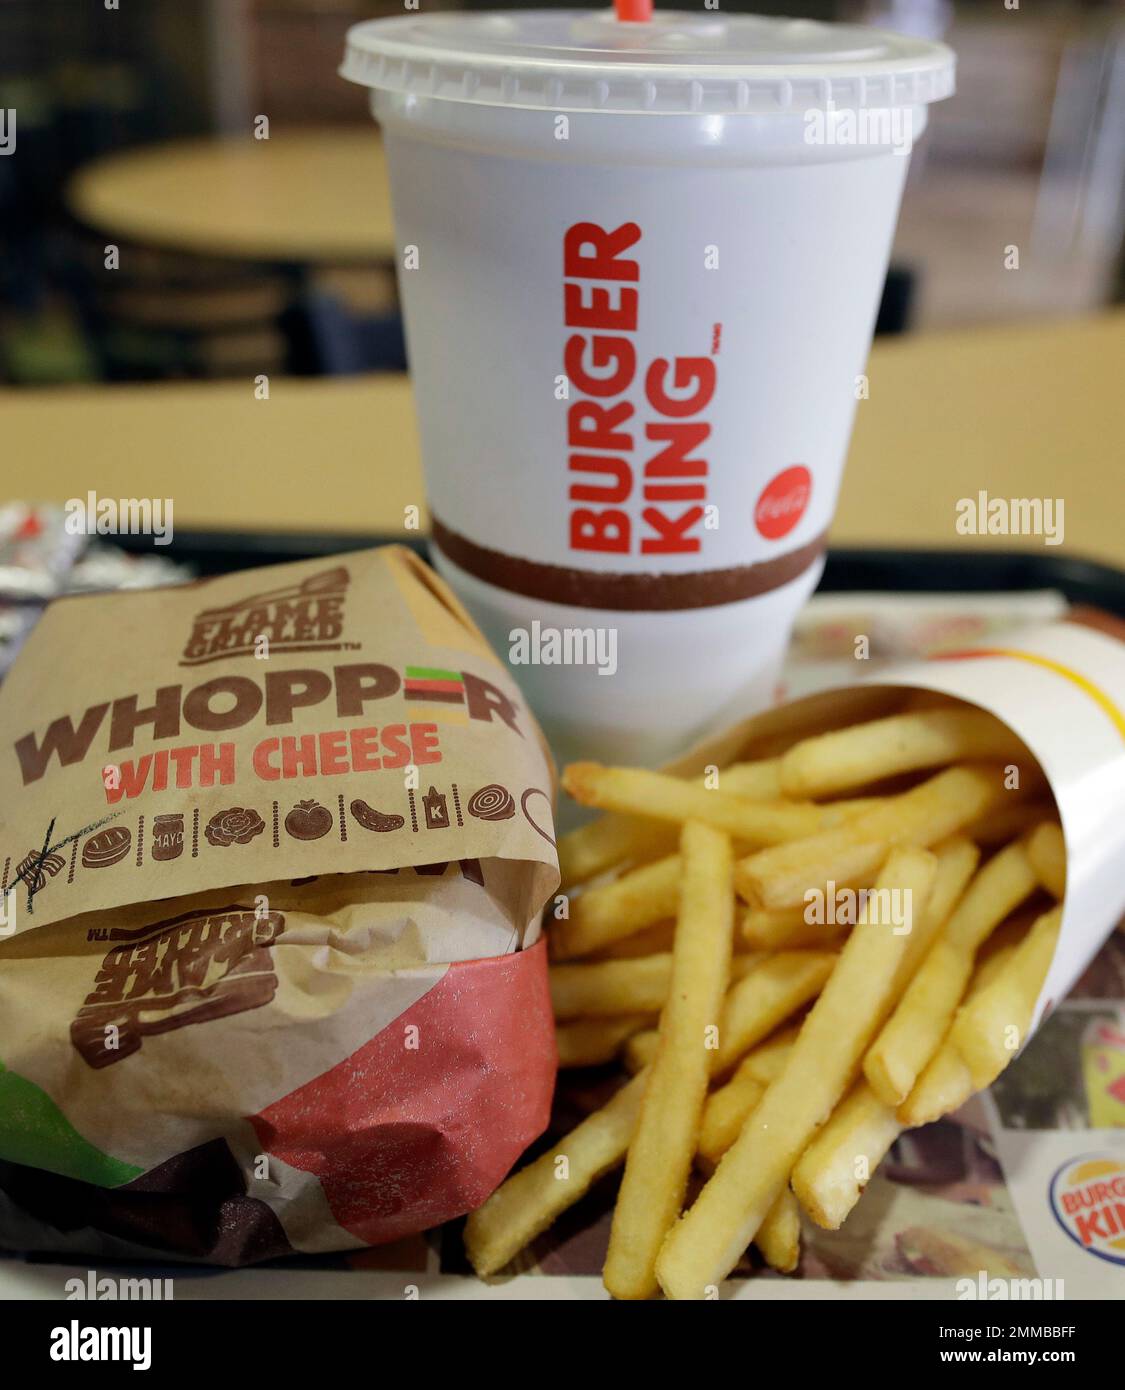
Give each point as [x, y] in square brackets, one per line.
[782, 502]
[1088, 1200]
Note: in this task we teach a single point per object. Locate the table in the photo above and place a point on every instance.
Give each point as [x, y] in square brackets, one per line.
[307, 196]
[1019, 412]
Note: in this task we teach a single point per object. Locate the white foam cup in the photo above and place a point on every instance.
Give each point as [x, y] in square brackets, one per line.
[639, 266]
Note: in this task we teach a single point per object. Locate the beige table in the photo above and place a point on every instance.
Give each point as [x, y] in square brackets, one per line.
[313, 197]
[1019, 412]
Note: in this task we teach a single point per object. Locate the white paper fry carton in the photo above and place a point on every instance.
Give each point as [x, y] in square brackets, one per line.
[1059, 1137]
[1061, 688]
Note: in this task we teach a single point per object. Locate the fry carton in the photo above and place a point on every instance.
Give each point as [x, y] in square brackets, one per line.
[1060, 687]
[274, 849]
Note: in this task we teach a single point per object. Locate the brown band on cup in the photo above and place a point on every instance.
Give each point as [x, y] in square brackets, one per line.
[624, 592]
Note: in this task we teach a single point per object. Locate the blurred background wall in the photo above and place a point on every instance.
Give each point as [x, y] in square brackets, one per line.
[1031, 152]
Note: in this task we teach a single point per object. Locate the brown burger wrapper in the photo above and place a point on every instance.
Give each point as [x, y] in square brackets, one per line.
[236, 701]
[272, 846]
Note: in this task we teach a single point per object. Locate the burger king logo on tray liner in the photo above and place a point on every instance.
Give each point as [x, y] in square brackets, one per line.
[1087, 1196]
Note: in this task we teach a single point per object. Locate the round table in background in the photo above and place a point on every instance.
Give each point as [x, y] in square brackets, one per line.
[311, 197]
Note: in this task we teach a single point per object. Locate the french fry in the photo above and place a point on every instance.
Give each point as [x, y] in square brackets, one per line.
[611, 988]
[633, 985]
[640, 1051]
[643, 897]
[605, 914]
[588, 1042]
[602, 844]
[704, 1246]
[828, 1178]
[767, 1060]
[725, 1113]
[745, 962]
[779, 1238]
[752, 1013]
[610, 840]
[767, 995]
[662, 1148]
[757, 781]
[993, 1026]
[847, 808]
[946, 1083]
[865, 753]
[728, 1106]
[1046, 849]
[1009, 822]
[779, 876]
[531, 1199]
[957, 858]
[779, 728]
[649, 941]
[921, 1020]
[944, 1086]
[787, 928]
[656, 794]
[832, 1172]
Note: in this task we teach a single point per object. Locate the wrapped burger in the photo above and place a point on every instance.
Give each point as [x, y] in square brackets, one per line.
[274, 850]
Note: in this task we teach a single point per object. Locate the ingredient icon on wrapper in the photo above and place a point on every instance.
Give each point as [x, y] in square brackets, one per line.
[377, 821]
[107, 847]
[435, 807]
[493, 802]
[309, 820]
[36, 869]
[168, 836]
[237, 826]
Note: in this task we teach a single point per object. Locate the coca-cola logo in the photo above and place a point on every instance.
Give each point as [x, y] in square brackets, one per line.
[782, 502]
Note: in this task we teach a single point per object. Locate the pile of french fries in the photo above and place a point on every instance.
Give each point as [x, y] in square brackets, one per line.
[778, 1045]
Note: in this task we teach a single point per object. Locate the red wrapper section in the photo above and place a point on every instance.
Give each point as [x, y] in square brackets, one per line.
[423, 1122]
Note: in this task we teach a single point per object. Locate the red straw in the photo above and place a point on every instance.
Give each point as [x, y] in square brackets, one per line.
[633, 11]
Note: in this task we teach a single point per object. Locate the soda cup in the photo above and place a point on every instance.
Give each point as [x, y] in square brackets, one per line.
[639, 265]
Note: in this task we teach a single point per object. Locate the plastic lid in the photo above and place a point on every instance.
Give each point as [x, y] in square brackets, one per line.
[585, 60]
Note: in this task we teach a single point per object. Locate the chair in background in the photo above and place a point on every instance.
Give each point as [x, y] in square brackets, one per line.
[162, 315]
